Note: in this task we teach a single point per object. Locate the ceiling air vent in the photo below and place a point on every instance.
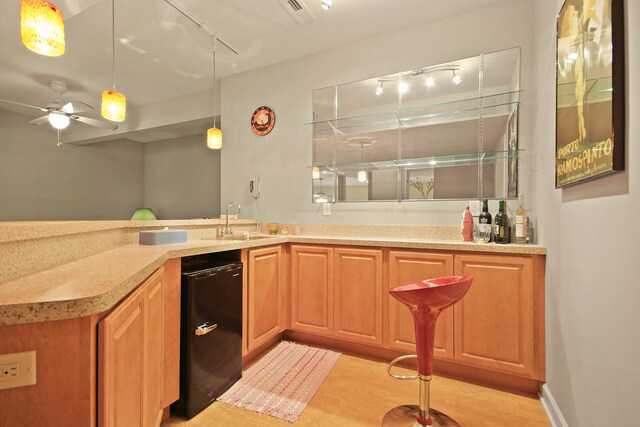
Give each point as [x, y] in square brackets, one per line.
[298, 11]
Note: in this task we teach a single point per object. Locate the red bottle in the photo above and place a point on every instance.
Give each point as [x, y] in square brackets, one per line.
[467, 225]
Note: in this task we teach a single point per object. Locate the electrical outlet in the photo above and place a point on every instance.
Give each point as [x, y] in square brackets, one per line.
[326, 209]
[17, 369]
[474, 207]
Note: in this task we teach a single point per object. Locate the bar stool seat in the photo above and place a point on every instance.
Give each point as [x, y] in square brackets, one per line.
[426, 299]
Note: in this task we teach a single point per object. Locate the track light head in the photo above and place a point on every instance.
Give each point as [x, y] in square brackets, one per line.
[456, 78]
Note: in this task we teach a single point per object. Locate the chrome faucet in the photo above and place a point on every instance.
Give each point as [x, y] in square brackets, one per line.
[228, 230]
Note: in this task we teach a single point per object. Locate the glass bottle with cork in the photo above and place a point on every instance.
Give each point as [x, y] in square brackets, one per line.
[521, 230]
[502, 230]
[484, 223]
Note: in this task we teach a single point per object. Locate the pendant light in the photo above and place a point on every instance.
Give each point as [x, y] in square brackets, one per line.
[42, 27]
[214, 135]
[315, 172]
[114, 104]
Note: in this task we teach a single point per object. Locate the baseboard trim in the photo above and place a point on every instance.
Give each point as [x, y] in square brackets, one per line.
[551, 408]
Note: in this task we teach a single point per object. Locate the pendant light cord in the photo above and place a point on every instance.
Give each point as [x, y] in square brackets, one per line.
[113, 41]
[213, 42]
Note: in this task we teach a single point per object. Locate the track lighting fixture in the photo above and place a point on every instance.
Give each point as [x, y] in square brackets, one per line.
[379, 89]
[456, 78]
[326, 4]
[430, 81]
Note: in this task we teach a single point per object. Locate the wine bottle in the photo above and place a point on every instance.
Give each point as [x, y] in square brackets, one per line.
[521, 222]
[501, 228]
[484, 223]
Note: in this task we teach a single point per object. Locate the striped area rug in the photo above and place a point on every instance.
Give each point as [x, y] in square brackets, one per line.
[282, 382]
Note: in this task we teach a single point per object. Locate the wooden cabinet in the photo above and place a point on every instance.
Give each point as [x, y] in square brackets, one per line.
[358, 295]
[265, 302]
[131, 358]
[494, 322]
[312, 289]
[406, 267]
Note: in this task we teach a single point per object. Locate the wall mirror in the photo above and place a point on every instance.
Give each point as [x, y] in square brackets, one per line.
[441, 132]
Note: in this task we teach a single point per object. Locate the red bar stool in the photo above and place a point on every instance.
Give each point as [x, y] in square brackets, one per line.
[426, 299]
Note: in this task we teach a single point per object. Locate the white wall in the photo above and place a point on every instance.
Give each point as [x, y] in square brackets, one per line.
[182, 178]
[593, 273]
[40, 181]
[282, 158]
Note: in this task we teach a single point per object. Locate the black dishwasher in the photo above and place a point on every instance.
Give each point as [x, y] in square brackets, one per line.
[211, 331]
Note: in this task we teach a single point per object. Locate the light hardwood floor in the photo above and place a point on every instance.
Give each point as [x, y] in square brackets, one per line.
[358, 392]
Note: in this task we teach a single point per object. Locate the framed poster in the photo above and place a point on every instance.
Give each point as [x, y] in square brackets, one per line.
[590, 90]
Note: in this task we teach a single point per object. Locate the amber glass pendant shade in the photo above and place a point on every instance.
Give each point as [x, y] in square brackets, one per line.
[42, 27]
[114, 106]
[214, 138]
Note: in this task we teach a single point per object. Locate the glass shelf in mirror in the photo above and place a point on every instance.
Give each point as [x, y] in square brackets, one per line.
[465, 159]
[453, 110]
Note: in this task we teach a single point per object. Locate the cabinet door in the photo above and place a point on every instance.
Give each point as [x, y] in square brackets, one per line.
[312, 289]
[406, 267]
[358, 295]
[131, 359]
[264, 295]
[154, 350]
[495, 320]
[121, 364]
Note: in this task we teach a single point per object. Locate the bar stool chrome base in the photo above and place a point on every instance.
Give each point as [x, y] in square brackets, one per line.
[405, 416]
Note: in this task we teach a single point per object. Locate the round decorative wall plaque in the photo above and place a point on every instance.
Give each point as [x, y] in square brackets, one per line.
[263, 120]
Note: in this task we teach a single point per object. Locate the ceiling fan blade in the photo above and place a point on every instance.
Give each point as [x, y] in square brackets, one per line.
[94, 122]
[76, 107]
[40, 120]
[23, 105]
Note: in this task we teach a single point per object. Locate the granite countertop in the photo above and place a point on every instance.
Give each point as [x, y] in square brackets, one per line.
[96, 283]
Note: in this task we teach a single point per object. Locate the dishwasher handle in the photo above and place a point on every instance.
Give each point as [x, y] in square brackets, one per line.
[205, 328]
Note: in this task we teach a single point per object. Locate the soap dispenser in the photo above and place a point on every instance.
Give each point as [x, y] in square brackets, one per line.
[467, 225]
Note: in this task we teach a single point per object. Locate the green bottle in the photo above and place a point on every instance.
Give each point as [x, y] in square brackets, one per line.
[501, 225]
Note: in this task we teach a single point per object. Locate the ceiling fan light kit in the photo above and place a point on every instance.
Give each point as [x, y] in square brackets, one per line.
[42, 27]
[58, 120]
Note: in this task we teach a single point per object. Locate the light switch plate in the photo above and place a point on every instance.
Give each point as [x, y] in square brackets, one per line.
[18, 369]
[326, 209]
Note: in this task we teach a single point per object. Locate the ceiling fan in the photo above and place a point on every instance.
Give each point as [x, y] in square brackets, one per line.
[60, 115]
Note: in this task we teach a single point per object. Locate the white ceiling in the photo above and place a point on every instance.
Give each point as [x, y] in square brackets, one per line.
[160, 54]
